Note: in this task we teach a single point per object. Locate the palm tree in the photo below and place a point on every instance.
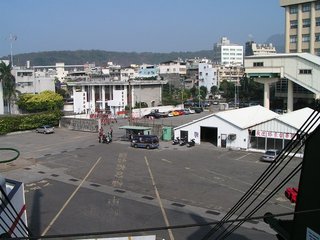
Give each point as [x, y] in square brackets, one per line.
[8, 84]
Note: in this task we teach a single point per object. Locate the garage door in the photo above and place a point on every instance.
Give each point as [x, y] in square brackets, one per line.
[209, 134]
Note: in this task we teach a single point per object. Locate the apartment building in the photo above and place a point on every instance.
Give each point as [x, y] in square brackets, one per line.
[227, 53]
[302, 26]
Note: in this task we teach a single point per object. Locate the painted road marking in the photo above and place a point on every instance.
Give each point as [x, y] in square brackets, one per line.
[70, 198]
[159, 200]
[165, 160]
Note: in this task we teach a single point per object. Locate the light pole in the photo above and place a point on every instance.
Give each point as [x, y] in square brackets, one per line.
[12, 38]
[129, 102]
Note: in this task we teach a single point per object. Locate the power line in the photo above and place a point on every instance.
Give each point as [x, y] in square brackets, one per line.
[128, 231]
[301, 135]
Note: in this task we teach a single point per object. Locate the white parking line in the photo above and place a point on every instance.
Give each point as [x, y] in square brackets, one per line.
[243, 156]
[70, 198]
[165, 160]
[159, 200]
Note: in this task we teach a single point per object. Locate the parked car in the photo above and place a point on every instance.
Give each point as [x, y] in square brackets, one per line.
[145, 141]
[45, 129]
[188, 111]
[270, 155]
[291, 194]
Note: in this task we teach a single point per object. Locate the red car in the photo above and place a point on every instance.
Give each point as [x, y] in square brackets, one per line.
[291, 194]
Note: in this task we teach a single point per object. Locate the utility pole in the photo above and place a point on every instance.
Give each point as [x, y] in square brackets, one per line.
[130, 103]
[12, 38]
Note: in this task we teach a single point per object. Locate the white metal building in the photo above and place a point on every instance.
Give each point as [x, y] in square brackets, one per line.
[254, 127]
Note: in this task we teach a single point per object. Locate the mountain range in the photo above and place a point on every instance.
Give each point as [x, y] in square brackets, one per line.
[101, 57]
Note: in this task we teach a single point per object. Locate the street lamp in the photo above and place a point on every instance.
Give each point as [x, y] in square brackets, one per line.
[129, 102]
[12, 38]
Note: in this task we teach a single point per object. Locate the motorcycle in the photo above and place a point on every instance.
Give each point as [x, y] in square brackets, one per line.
[176, 141]
[183, 141]
[191, 143]
[106, 139]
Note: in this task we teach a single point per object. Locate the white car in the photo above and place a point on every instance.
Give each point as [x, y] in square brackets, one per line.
[45, 129]
[270, 155]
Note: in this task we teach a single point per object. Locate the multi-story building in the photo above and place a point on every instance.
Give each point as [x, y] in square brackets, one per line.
[27, 82]
[207, 75]
[175, 67]
[174, 72]
[148, 71]
[255, 49]
[106, 95]
[302, 26]
[227, 53]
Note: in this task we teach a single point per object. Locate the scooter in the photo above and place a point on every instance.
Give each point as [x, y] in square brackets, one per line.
[106, 139]
[176, 141]
[191, 143]
[183, 141]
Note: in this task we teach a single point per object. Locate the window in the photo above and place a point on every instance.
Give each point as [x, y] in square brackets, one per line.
[305, 37]
[293, 38]
[317, 21]
[293, 9]
[306, 22]
[293, 24]
[317, 37]
[258, 64]
[305, 71]
[317, 5]
[317, 51]
[306, 7]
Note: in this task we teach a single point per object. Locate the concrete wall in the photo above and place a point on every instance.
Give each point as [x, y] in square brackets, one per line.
[80, 124]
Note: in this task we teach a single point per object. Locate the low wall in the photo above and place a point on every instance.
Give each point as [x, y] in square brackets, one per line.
[80, 124]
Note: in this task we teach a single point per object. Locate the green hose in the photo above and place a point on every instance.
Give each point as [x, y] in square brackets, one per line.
[12, 159]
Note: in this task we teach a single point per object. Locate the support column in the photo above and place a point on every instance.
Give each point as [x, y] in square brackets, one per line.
[93, 99]
[103, 92]
[290, 97]
[266, 94]
[287, 29]
[73, 91]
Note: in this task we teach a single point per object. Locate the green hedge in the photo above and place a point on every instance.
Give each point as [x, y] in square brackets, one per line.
[13, 123]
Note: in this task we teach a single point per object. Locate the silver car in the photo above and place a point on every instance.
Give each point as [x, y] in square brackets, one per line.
[270, 155]
[45, 129]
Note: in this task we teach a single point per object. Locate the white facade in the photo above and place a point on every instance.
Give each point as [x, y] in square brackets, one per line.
[28, 82]
[254, 128]
[177, 67]
[114, 96]
[207, 75]
[127, 73]
[226, 53]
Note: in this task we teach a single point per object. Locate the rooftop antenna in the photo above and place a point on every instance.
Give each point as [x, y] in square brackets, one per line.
[12, 38]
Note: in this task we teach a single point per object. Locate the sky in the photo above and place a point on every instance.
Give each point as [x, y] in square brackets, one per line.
[134, 25]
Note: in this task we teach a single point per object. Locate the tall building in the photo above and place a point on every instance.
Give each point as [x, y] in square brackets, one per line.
[253, 48]
[302, 26]
[227, 53]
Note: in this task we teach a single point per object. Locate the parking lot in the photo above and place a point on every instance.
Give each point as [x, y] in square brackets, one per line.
[92, 187]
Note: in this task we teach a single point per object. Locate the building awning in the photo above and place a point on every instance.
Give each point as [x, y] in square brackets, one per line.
[135, 128]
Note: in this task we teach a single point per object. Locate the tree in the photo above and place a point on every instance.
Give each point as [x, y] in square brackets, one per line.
[214, 90]
[8, 84]
[203, 92]
[44, 101]
[227, 89]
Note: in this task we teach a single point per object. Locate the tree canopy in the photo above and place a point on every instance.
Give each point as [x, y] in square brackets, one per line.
[44, 101]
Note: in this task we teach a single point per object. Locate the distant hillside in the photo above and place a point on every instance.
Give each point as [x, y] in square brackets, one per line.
[278, 41]
[100, 57]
